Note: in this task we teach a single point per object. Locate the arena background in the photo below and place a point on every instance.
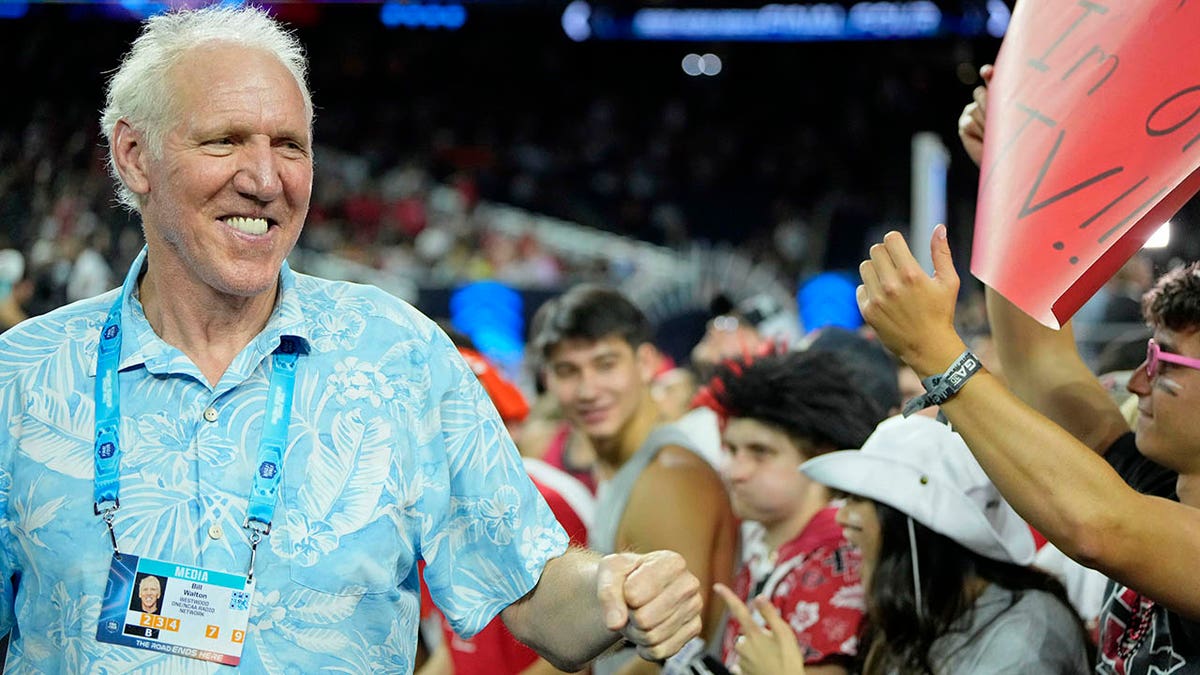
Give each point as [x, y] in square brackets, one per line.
[480, 140]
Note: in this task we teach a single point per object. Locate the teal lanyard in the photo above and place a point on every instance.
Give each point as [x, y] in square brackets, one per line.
[264, 489]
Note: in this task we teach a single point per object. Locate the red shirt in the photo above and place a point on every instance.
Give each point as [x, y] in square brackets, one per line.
[814, 583]
[556, 456]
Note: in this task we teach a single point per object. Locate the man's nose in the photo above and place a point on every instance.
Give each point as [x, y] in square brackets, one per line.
[588, 383]
[258, 171]
[734, 466]
[1139, 381]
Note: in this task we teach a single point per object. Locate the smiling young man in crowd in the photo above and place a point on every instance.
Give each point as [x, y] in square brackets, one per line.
[656, 491]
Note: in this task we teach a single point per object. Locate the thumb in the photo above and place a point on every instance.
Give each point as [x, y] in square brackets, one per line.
[943, 262]
[610, 588]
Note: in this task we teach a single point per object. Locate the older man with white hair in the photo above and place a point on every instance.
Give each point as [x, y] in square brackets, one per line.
[282, 449]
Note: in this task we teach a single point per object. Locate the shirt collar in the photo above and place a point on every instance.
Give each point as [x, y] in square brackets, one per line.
[821, 530]
[142, 346]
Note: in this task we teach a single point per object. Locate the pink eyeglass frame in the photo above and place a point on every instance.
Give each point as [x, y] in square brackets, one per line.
[1154, 354]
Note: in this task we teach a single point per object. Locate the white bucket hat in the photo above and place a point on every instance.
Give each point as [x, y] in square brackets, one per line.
[920, 467]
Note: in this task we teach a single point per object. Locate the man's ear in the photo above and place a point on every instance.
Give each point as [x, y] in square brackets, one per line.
[130, 155]
[648, 359]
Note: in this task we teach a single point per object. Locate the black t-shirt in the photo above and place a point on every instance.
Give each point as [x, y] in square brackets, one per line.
[1140, 473]
[1136, 634]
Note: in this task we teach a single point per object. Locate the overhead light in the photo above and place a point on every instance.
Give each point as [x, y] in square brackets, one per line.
[575, 20]
[710, 64]
[695, 64]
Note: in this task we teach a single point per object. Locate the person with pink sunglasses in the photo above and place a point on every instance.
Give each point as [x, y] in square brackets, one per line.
[1059, 450]
[1057, 446]
[1155, 355]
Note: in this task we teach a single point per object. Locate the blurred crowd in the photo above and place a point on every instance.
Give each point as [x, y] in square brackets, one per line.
[415, 135]
[424, 176]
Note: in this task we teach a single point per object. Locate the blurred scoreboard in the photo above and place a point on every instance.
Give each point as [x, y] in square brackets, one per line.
[646, 20]
[786, 22]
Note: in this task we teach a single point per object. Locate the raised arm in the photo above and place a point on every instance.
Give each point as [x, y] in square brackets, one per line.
[1052, 479]
[1041, 365]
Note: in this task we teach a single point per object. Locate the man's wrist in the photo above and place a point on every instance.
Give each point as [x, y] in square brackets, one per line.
[935, 359]
[942, 387]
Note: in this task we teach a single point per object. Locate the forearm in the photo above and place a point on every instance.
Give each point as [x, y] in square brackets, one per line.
[1077, 501]
[1068, 493]
[638, 666]
[1026, 347]
[541, 667]
[561, 619]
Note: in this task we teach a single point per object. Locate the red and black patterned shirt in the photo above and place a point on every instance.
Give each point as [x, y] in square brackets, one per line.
[813, 582]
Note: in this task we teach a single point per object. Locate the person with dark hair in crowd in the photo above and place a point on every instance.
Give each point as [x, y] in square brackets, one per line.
[778, 411]
[755, 325]
[870, 365]
[655, 490]
[1102, 495]
[945, 563]
[307, 441]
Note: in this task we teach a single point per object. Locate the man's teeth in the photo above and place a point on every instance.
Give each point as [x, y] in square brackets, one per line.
[248, 225]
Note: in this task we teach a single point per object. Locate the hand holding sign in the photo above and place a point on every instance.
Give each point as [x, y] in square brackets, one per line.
[1091, 145]
[971, 122]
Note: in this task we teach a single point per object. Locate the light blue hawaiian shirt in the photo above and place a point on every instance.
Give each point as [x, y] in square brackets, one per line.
[394, 454]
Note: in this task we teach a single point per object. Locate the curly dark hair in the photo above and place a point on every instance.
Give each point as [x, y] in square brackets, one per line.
[1174, 301]
[810, 396]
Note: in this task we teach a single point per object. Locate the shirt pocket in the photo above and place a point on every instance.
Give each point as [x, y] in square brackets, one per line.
[332, 551]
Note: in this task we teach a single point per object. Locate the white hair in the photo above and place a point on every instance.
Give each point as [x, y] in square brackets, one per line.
[139, 92]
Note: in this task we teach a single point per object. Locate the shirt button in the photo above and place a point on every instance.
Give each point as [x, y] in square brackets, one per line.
[210, 414]
[215, 532]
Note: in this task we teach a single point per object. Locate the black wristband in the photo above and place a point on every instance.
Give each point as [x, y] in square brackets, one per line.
[940, 388]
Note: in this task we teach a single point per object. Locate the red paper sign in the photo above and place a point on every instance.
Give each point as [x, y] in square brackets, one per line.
[1093, 142]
